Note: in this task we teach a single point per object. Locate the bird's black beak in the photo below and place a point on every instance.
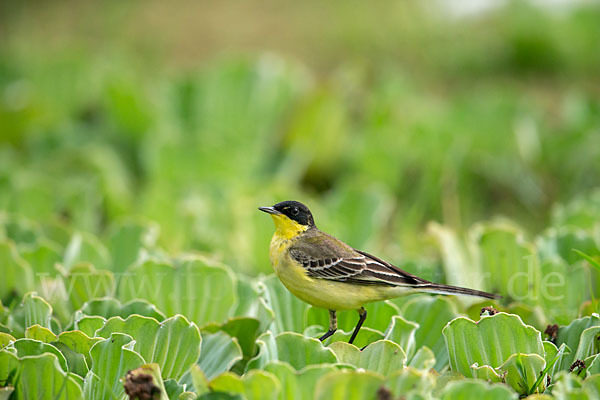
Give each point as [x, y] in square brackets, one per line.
[269, 210]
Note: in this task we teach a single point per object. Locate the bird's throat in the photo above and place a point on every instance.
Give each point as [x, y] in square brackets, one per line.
[286, 228]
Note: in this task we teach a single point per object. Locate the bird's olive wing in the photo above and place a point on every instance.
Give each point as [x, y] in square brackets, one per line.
[356, 267]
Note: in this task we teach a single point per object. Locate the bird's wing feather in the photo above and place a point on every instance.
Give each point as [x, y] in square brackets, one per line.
[331, 259]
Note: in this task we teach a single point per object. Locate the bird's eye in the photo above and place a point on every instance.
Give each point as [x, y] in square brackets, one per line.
[295, 211]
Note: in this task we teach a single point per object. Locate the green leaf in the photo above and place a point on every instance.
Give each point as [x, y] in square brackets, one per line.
[76, 362]
[510, 262]
[571, 336]
[84, 248]
[402, 332]
[432, 314]
[554, 356]
[568, 386]
[460, 259]
[559, 243]
[126, 241]
[9, 363]
[379, 315]
[472, 389]
[30, 347]
[24, 232]
[110, 307]
[295, 384]
[594, 263]
[423, 359]
[289, 310]
[173, 344]
[411, 383]
[5, 340]
[244, 329]
[383, 356]
[588, 343]
[491, 341]
[521, 371]
[37, 311]
[17, 276]
[41, 377]
[365, 336]
[255, 385]
[219, 353]
[201, 290]
[43, 257]
[89, 325]
[562, 289]
[40, 333]
[348, 385]
[78, 342]
[299, 351]
[84, 283]
[111, 359]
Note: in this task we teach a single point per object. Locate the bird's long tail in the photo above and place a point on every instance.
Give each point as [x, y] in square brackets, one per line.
[448, 289]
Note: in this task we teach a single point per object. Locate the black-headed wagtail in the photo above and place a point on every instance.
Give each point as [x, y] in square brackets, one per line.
[327, 273]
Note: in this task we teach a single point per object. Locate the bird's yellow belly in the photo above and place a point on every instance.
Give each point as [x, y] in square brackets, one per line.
[322, 293]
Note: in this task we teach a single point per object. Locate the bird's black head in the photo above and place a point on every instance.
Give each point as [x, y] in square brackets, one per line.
[294, 210]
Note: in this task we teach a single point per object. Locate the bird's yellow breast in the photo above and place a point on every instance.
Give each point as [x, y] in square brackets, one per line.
[322, 293]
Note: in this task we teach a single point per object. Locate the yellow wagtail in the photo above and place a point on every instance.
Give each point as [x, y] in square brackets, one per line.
[327, 273]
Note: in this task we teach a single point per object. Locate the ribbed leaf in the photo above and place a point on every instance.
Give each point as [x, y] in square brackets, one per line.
[432, 314]
[423, 359]
[411, 383]
[383, 356]
[40, 333]
[17, 276]
[290, 312]
[79, 343]
[219, 353]
[588, 343]
[5, 339]
[173, 344]
[201, 290]
[521, 371]
[37, 311]
[402, 332]
[8, 367]
[348, 385]
[85, 248]
[244, 329]
[127, 239]
[510, 262]
[470, 389]
[255, 385]
[491, 341]
[84, 282]
[297, 385]
[111, 359]
[30, 347]
[89, 325]
[41, 377]
[109, 307]
[571, 336]
[365, 336]
[379, 316]
[43, 257]
[299, 351]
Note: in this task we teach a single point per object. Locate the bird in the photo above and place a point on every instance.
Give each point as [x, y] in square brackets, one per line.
[325, 272]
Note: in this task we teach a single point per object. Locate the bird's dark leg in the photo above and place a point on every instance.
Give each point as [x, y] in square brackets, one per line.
[362, 316]
[332, 325]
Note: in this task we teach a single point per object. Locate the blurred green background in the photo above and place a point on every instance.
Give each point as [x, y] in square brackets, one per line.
[380, 116]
